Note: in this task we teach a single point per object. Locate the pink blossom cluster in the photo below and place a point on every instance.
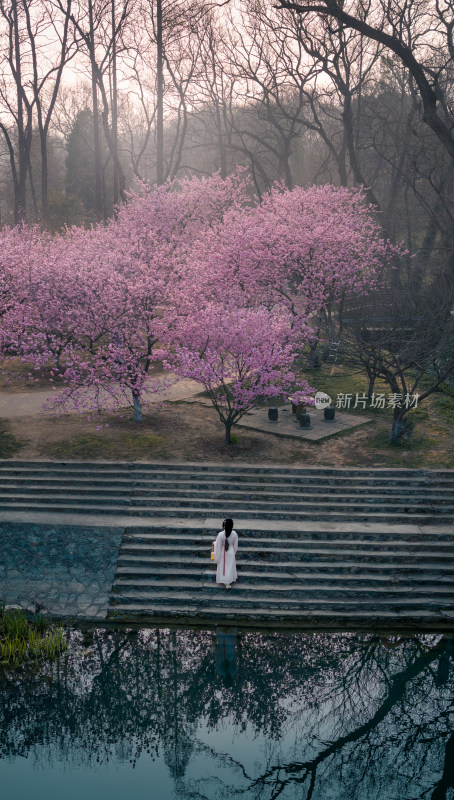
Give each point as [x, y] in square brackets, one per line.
[302, 249]
[222, 288]
[237, 354]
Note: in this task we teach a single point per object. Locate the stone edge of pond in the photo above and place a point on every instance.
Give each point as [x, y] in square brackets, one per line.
[253, 624]
[308, 624]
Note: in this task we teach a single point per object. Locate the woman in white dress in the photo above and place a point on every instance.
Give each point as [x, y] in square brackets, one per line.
[225, 547]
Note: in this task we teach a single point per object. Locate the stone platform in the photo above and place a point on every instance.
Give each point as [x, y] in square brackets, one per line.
[287, 424]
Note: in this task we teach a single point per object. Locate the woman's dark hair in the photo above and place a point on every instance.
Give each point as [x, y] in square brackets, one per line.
[228, 527]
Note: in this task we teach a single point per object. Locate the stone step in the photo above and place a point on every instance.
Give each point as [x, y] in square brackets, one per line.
[214, 507]
[354, 503]
[343, 493]
[208, 530]
[264, 538]
[58, 483]
[206, 587]
[300, 553]
[247, 551]
[249, 499]
[235, 598]
[188, 480]
[315, 545]
[270, 515]
[193, 500]
[423, 516]
[68, 493]
[244, 489]
[144, 565]
[435, 503]
[217, 507]
[270, 617]
[339, 581]
[145, 468]
[44, 499]
[276, 550]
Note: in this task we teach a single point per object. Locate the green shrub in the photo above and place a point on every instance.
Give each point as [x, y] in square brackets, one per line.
[24, 641]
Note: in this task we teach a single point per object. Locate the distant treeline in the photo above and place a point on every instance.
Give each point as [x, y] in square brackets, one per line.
[97, 93]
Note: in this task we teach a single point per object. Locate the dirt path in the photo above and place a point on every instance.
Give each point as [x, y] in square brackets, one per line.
[14, 405]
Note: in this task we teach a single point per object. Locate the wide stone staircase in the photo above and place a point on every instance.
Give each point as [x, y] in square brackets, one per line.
[317, 545]
[244, 492]
[374, 574]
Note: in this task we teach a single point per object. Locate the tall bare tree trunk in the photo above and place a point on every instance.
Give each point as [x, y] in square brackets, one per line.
[20, 202]
[97, 143]
[159, 99]
[116, 178]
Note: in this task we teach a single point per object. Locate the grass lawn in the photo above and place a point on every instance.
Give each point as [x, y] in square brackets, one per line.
[432, 441]
[9, 444]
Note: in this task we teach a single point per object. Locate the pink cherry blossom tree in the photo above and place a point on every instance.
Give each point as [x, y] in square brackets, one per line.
[255, 284]
[21, 249]
[67, 307]
[237, 355]
[149, 243]
[95, 295]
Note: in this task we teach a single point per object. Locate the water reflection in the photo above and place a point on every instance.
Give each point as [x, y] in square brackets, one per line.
[225, 654]
[311, 716]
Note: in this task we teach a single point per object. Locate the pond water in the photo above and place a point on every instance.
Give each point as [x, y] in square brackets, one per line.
[204, 715]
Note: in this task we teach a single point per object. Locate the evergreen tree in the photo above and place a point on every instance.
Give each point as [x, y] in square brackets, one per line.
[80, 163]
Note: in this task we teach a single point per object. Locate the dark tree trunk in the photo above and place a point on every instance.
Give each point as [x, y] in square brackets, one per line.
[220, 138]
[116, 178]
[20, 205]
[44, 181]
[347, 119]
[397, 427]
[137, 407]
[96, 138]
[159, 98]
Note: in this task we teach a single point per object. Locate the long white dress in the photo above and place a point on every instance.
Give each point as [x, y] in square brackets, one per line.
[226, 571]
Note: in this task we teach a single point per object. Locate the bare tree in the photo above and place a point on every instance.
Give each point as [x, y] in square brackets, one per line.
[425, 48]
[17, 104]
[406, 339]
[266, 55]
[97, 26]
[47, 74]
[161, 66]
[36, 41]
[340, 56]
[216, 90]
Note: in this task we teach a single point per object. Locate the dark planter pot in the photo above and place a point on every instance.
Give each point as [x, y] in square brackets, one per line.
[329, 414]
[300, 409]
[273, 414]
[305, 420]
[294, 407]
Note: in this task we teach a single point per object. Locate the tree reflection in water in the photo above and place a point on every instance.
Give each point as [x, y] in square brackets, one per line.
[324, 715]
